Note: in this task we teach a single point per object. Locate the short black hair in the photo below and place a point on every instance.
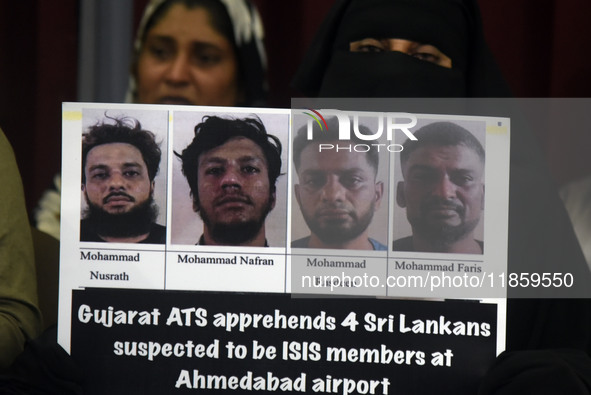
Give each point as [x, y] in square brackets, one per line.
[300, 142]
[214, 131]
[123, 130]
[439, 134]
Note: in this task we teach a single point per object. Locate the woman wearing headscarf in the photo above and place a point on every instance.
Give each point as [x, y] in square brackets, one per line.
[201, 52]
[433, 49]
[192, 52]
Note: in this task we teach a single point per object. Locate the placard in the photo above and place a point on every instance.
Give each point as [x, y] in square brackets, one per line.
[315, 260]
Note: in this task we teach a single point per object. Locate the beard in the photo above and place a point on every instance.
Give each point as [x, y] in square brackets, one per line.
[442, 235]
[335, 231]
[236, 233]
[135, 222]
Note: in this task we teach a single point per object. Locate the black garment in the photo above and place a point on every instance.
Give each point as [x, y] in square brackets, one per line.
[43, 368]
[453, 26]
[157, 234]
[540, 236]
[539, 372]
[405, 244]
[202, 242]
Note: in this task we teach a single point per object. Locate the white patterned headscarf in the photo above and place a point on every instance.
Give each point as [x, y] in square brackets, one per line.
[248, 37]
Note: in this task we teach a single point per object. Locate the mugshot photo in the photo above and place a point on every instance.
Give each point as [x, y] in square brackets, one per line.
[229, 178]
[439, 188]
[123, 186]
[340, 187]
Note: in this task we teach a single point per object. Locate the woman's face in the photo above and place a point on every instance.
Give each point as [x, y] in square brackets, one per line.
[185, 61]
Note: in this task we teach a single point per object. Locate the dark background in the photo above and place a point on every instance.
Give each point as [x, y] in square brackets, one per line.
[542, 47]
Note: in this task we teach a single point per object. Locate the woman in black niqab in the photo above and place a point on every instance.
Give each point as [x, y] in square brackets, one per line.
[548, 340]
[330, 69]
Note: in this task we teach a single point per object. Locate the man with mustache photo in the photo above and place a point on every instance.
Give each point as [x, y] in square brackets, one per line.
[443, 190]
[119, 163]
[232, 166]
[337, 190]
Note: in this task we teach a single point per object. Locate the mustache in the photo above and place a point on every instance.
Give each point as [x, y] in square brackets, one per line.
[118, 194]
[233, 197]
[335, 208]
[332, 206]
[435, 203]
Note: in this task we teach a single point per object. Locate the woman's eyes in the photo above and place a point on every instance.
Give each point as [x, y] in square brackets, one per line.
[424, 52]
[202, 55]
[427, 53]
[206, 57]
[369, 45]
[160, 51]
